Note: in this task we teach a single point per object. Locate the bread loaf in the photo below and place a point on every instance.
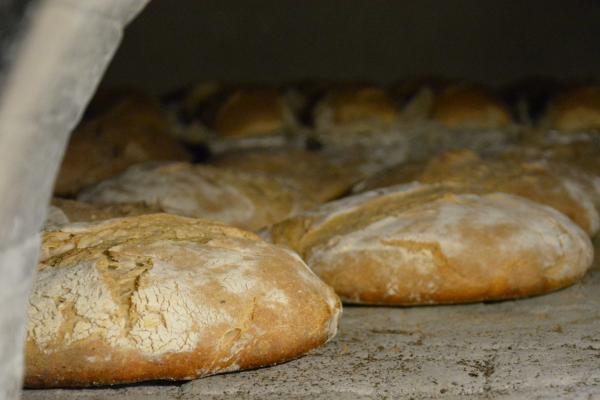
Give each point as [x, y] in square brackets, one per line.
[167, 297]
[310, 172]
[570, 191]
[254, 112]
[575, 110]
[469, 107]
[246, 200]
[355, 109]
[424, 244]
[131, 131]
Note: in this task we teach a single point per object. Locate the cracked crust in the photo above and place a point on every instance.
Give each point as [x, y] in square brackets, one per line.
[426, 244]
[567, 189]
[241, 198]
[167, 297]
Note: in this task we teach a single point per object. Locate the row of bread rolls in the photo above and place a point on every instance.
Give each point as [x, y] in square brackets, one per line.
[234, 111]
[129, 291]
[126, 127]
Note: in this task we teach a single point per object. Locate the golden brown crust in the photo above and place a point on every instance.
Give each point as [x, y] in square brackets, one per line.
[469, 107]
[77, 211]
[167, 297]
[566, 189]
[310, 172]
[257, 112]
[424, 244]
[356, 108]
[131, 131]
[574, 111]
[244, 199]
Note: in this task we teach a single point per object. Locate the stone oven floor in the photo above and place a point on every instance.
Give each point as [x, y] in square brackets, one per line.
[541, 347]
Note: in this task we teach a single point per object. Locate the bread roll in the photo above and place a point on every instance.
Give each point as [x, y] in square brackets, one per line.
[469, 107]
[249, 201]
[310, 172]
[424, 244]
[355, 109]
[567, 189]
[132, 130]
[166, 297]
[254, 112]
[574, 111]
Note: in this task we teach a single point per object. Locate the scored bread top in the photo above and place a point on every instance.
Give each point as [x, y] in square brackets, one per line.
[141, 288]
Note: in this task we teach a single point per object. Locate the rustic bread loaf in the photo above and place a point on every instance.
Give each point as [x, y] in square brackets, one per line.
[355, 109]
[167, 297]
[569, 190]
[246, 200]
[469, 107]
[310, 172]
[131, 131]
[424, 244]
[575, 110]
[254, 112]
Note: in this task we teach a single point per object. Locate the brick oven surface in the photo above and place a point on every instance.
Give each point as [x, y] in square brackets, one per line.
[542, 347]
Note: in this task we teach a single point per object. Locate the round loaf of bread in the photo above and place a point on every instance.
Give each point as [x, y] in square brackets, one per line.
[574, 111]
[310, 172]
[567, 189]
[246, 200]
[258, 112]
[423, 244]
[469, 107]
[167, 297]
[131, 131]
[355, 109]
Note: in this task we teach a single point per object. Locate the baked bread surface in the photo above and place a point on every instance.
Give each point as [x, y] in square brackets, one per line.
[568, 189]
[246, 200]
[469, 107]
[356, 108]
[133, 130]
[167, 297]
[311, 172]
[77, 211]
[257, 112]
[575, 110]
[424, 244]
